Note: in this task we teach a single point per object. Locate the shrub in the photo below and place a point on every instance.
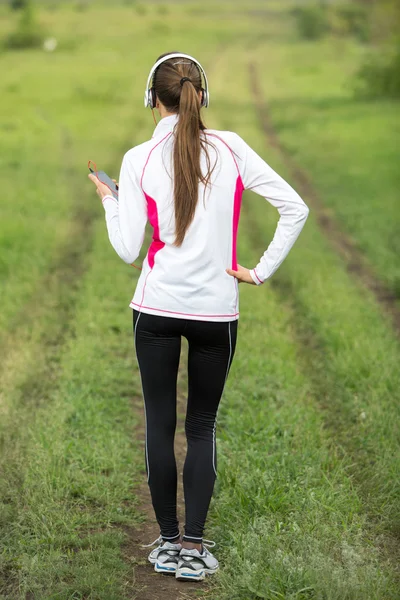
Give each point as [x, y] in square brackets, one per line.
[28, 33]
[315, 21]
[379, 75]
[82, 5]
[140, 9]
[312, 21]
[18, 4]
[355, 20]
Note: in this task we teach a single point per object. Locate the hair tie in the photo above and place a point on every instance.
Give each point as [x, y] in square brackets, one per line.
[185, 79]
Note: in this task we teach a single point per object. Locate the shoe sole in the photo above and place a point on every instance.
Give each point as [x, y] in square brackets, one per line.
[165, 569]
[190, 575]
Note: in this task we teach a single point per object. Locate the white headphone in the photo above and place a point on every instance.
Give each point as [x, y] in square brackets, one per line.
[150, 96]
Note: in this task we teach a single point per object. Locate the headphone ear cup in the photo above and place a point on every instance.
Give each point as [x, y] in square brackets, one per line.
[153, 98]
[149, 98]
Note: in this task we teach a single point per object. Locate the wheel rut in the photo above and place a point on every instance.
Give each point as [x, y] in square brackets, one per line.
[36, 336]
[338, 420]
[356, 263]
[147, 584]
[336, 416]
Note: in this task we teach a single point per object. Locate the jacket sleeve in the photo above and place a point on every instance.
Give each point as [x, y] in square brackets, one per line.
[258, 176]
[126, 217]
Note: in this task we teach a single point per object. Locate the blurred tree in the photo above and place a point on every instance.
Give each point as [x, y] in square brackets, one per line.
[28, 33]
[355, 20]
[312, 21]
[379, 73]
[18, 4]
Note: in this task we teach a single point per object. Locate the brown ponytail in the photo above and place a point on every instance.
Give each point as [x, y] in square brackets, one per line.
[184, 99]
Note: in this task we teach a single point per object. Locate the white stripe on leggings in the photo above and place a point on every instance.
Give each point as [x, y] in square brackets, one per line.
[226, 377]
[144, 404]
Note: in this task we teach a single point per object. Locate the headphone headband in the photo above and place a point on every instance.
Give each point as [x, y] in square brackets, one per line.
[148, 100]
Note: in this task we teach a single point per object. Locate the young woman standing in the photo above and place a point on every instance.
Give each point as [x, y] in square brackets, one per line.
[187, 181]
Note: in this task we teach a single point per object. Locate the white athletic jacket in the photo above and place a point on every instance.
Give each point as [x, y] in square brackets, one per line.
[190, 281]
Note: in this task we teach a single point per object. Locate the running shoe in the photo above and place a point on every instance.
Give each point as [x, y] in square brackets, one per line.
[194, 566]
[165, 556]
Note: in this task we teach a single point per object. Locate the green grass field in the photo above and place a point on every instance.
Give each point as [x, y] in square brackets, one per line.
[306, 503]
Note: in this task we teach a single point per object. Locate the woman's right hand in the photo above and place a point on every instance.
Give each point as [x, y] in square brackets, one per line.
[242, 274]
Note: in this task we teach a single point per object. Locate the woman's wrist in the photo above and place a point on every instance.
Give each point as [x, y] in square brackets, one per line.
[254, 276]
[108, 197]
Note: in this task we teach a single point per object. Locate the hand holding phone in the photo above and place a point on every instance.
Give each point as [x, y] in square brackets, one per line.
[105, 179]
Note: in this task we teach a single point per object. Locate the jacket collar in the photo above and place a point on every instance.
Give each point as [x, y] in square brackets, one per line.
[165, 125]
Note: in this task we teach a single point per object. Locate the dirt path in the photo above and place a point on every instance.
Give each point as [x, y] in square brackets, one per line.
[336, 415]
[33, 345]
[148, 584]
[356, 263]
[35, 338]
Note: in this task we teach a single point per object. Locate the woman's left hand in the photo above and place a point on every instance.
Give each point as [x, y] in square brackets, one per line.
[102, 190]
[242, 274]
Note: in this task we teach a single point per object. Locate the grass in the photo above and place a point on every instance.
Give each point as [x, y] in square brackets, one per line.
[305, 504]
[348, 146]
[70, 474]
[309, 425]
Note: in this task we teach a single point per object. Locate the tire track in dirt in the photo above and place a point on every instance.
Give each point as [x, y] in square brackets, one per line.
[38, 332]
[49, 311]
[337, 415]
[338, 418]
[148, 584]
[52, 308]
[356, 263]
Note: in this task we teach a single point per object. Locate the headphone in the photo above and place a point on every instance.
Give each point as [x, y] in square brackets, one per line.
[150, 94]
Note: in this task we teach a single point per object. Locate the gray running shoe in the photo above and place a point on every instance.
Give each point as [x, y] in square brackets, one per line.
[194, 566]
[165, 556]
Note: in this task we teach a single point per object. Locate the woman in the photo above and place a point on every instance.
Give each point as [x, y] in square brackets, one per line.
[188, 182]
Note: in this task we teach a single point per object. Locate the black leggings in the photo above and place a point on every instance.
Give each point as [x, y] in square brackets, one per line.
[211, 350]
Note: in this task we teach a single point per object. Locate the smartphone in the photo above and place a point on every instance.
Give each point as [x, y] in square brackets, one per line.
[104, 178]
